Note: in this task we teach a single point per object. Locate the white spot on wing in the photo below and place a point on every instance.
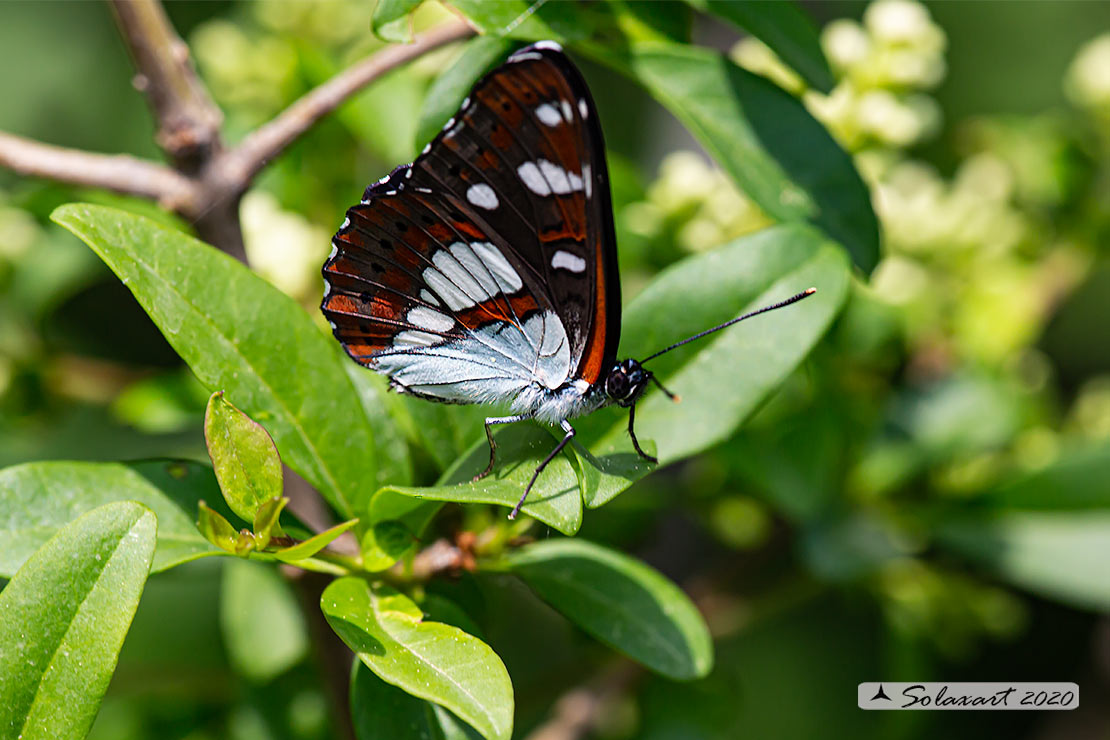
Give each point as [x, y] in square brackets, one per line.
[345, 224]
[583, 109]
[447, 290]
[567, 261]
[587, 180]
[545, 178]
[521, 56]
[482, 195]
[426, 318]
[548, 115]
[458, 274]
[568, 112]
[429, 297]
[508, 279]
[549, 45]
[415, 339]
[474, 269]
[533, 179]
[558, 178]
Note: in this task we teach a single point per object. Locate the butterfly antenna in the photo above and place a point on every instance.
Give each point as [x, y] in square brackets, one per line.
[792, 299]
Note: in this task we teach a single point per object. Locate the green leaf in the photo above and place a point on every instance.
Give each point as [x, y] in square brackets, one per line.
[660, 20]
[240, 334]
[261, 621]
[37, 499]
[391, 20]
[446, 94]
[527, 19]
[761, 135]
[63, 618]
[314, 544]
[734, 371]
[266, 521]
[383, 712]
[620, 601]
[443, 431]
[384, 544]
[1080, 479]
[216, 529]
[1061, 555]
[785, 28]
[429, 660]
[555, 500]
[243, 456]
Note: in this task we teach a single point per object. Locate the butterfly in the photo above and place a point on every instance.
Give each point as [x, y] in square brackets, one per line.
[486, 271]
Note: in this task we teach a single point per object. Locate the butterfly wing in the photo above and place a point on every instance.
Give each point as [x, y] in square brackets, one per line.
[488, 265]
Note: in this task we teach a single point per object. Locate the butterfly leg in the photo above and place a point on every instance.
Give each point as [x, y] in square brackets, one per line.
[490, 421]
[539, 469]
[631, 433]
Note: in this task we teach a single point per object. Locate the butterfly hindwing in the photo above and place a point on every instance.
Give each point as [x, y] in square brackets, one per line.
[488, 265]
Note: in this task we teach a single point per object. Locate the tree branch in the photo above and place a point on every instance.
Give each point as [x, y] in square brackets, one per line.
[118, 172]
[240, 165]
[188, 120]
[206, 181]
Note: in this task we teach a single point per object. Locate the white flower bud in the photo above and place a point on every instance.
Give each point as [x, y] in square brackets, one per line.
[845, 43]
[1088, 78]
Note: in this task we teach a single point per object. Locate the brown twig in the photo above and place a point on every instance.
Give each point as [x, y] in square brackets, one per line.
[270, 139]
[118, 172]
[188, 119]
[206, 180]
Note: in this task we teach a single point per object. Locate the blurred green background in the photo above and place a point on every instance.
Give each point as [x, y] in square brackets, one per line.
[927, 498]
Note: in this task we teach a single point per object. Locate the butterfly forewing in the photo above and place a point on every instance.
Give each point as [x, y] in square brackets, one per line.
[489, 263]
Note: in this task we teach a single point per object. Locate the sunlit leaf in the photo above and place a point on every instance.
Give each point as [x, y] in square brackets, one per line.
[429, 660]
[243, 455]
[63, 618]
[240, 334]
[37, 499]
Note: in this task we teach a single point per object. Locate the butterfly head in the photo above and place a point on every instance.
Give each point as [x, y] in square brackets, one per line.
[626, 382]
